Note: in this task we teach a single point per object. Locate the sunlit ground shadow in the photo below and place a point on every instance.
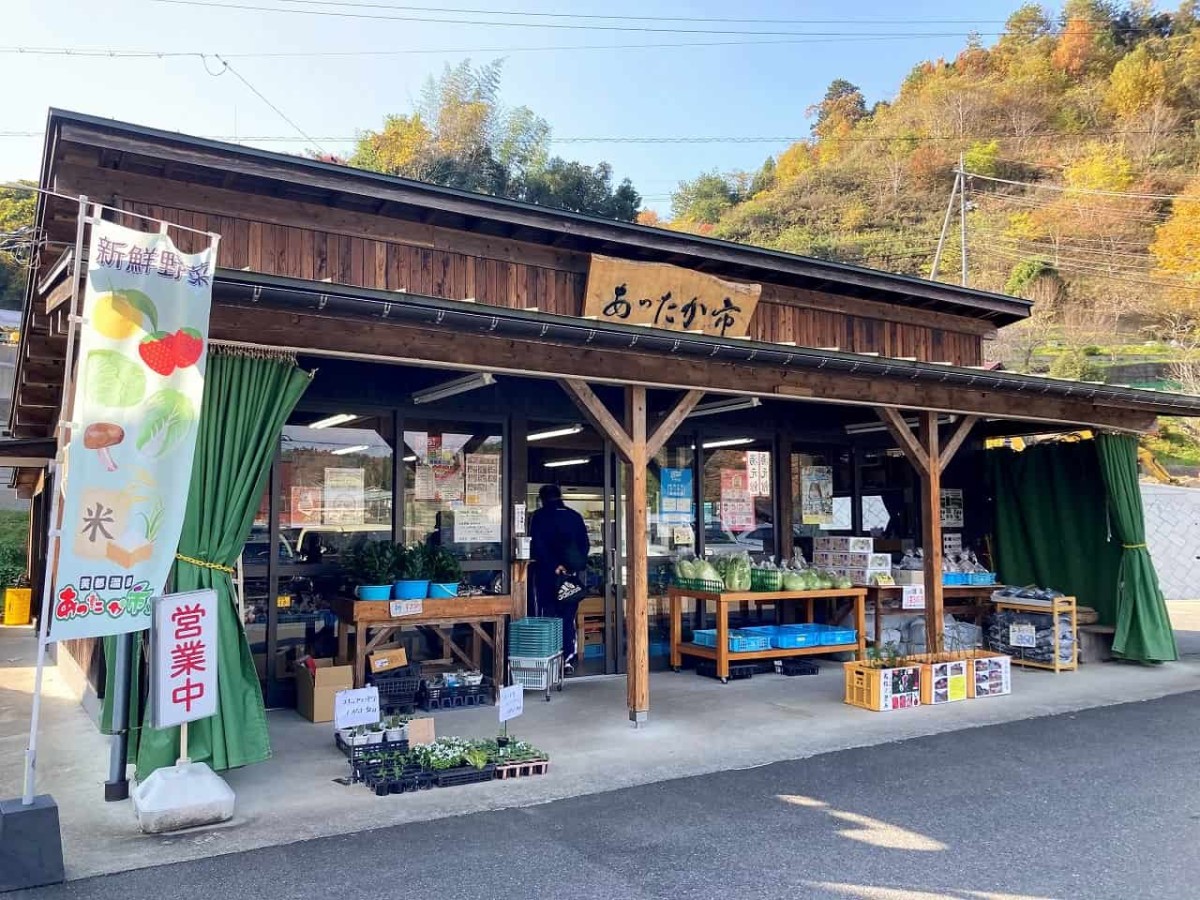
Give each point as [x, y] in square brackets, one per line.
[870, 892]
[871, 831]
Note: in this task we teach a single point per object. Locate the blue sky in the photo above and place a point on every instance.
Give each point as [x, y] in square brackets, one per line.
[725, 90]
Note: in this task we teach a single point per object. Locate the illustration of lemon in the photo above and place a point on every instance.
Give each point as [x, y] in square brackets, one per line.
[120, 314]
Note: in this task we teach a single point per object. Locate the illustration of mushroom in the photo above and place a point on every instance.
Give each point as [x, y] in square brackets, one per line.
[99, 436]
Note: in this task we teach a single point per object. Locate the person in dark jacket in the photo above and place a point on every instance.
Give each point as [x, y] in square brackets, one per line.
[559, 547]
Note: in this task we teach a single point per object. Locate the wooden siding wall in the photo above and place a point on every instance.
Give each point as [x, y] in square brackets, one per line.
[393, 265]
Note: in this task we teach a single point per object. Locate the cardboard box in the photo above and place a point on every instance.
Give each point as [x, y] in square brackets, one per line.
[822, 558]
[869, 560]
[863, 576]
[386, 660]
[909, 576]
[314, 693]
[420, 731]
[844, 544]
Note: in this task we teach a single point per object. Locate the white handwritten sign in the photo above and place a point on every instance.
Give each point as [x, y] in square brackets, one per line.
[913, 596]
[1022, 636]
[512, 702]
[359, 706]
[398, 608]
[183, 674]
[518, 518]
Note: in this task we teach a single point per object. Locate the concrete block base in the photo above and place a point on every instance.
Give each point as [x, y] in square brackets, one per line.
[30, 844]
[183, 796]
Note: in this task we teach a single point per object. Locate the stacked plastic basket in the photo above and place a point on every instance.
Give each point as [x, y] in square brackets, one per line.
[535, 659]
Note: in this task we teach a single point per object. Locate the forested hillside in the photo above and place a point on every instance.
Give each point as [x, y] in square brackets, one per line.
[1079, 134]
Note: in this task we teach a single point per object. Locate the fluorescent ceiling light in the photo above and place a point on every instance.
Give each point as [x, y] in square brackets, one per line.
[565, 431]
[357, 448]
[724, 406]
[728, 442]
[337, 419]
[451, 388]
[559, 463]
[411, 458]
[870, 427]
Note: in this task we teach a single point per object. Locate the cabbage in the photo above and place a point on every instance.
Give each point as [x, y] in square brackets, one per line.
[842, 583]
[795, 581]
[703, 570]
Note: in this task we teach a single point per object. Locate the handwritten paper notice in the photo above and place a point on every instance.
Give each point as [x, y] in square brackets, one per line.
[359, 706]
[512, 702]
[913, 596]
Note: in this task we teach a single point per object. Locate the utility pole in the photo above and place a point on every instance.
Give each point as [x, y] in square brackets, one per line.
[962, 214]
[937, 256]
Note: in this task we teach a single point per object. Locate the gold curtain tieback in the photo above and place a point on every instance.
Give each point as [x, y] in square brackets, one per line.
[1134, 546]
[204, 564]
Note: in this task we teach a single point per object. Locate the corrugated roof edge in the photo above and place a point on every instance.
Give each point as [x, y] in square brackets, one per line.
[1002, 308]
[547, 326]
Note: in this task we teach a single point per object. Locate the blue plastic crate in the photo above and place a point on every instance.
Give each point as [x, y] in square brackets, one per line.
[593, 651]
[789, 637]
[955, 579]
[740, 640]
[831, 636]
[660, 648]
[982, 578]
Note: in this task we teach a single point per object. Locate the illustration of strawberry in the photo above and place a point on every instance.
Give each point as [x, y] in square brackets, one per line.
[158, 352]
[188, 345]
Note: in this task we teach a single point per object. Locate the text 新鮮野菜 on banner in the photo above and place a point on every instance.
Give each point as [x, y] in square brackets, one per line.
[138, 388]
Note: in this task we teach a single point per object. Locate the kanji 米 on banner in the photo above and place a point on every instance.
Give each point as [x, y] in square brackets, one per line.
[183, 658]
[138, 387]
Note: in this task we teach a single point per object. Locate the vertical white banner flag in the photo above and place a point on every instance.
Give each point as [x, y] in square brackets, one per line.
[139, 383]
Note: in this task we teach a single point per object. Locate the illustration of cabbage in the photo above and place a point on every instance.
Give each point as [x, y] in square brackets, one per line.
[167, 418]
[112, 379]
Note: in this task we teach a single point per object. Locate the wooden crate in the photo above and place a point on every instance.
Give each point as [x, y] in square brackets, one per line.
[882, 689]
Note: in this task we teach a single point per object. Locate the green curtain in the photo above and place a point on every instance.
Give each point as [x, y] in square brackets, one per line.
[1143, 626]
[247, 398]
[1052, 525]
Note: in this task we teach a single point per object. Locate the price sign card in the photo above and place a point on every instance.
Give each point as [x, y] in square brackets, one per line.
[512, 702]
[1022, 636]
[913, 596]
[359, 706]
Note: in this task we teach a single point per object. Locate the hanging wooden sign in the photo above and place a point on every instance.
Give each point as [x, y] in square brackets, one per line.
[670, 297]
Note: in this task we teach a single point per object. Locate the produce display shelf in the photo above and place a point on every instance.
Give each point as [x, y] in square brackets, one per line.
[1059, 607]
[776, 653]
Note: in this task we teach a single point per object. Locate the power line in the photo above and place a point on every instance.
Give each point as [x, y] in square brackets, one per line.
[257, 93]
[1075, 190]
[341, 5]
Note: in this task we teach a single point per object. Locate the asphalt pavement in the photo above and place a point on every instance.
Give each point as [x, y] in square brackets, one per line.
[1099, 804]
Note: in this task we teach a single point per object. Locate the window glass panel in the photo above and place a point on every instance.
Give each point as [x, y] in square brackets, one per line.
[738, 489]
[454, 490]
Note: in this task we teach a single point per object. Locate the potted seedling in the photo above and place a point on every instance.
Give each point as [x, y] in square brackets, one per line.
[411, 573]
[373, 565]
[396, 728]
[444, 572]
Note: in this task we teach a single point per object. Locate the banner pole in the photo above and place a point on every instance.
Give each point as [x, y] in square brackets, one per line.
[55, 526]
[117, 786]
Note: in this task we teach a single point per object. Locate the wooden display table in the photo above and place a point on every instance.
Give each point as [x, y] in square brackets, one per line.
[375, 628]
[960, 600]
[722, 655]
[1059, 606]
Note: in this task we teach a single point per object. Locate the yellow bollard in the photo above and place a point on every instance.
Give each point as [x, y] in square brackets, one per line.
[16, 606]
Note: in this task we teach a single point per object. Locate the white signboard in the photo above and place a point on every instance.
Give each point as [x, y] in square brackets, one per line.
[512, 702]
[477, 525]
[758, 473]
[518, 518]
[1022, 636]
[913, 596]
[952, 543]
[358, 706]
[952, 508]
[398, 608]
[483, 479]
[183, 671]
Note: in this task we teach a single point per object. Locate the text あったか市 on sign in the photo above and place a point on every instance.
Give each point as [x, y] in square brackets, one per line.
[670, 297]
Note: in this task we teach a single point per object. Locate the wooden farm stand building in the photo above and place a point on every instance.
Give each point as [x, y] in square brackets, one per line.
[382, 285]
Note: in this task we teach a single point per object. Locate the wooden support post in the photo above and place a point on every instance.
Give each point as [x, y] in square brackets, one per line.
[931, 533]
[930, 459]
[637, 581]
[636, 447]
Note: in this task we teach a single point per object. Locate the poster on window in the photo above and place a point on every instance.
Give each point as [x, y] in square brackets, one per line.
[306, 507]
[758, 473]
[816, 495]
[675, 501]
[952, 508]
[344, 496]
[477, 525]
[483, 479]
[737, 506]
[139, 382]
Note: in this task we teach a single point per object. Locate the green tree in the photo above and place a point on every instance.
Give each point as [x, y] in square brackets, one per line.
[704, 199]
[16, 234]
[460, 135]
[982, 157]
